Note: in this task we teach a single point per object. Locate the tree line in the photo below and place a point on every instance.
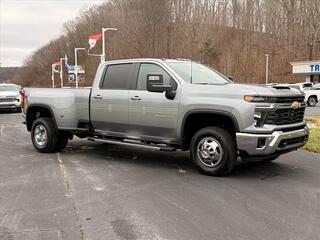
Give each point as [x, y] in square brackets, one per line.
[232, 36]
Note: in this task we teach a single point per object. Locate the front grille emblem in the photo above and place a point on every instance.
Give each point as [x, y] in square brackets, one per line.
[295, 105]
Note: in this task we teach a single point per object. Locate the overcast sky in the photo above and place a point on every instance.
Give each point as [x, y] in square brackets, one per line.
[26, 25]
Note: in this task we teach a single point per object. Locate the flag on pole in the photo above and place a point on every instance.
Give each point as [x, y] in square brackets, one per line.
[93, 39]
[57, 62]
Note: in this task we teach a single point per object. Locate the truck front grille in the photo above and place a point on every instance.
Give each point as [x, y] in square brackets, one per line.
[285, 116]
[289, 100]
[8, 99]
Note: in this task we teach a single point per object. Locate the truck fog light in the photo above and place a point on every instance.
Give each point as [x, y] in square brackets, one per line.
[261, 142]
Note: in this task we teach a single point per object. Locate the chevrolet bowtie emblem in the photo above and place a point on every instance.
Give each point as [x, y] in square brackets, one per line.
[295, 105]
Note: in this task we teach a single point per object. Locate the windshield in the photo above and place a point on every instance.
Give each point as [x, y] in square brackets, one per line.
[196, 73]
[8, 88]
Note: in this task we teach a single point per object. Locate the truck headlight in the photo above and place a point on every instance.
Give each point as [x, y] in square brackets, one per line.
[249, 98]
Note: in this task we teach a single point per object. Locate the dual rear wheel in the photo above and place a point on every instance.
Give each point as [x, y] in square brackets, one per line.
[46, 138]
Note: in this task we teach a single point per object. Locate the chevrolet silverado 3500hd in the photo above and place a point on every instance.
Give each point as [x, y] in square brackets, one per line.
[168, 105]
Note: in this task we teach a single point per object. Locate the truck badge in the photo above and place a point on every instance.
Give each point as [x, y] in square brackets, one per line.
[295, 105]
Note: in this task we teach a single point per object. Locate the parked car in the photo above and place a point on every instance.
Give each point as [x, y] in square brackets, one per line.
[168, 105]
[9, 97]
[313, 95]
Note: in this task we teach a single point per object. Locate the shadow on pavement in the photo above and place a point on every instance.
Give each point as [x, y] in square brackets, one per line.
[146, 158]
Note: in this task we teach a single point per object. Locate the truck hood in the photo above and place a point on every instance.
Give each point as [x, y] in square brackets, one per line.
[9, 94]
[245, 89]
[262, 90]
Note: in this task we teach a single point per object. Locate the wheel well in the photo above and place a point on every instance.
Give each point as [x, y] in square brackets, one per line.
[315, 96]
[36, 112]
[197, 121]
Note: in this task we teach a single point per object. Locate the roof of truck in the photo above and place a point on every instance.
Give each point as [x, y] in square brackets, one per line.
[151, 59]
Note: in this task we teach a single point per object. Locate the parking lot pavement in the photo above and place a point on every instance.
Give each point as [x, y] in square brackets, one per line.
[97, 191]
[313, 111]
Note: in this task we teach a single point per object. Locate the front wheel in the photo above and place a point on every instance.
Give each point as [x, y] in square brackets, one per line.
[312, 101]
[214, 151]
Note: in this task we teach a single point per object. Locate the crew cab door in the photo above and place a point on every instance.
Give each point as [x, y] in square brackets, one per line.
[109, 101]
[152, 116]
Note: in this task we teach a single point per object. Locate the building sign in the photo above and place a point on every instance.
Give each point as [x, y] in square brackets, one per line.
[315, 67]
[306, 68]
[72, 69]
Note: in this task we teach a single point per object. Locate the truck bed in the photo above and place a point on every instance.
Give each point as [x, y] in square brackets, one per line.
[69, 106]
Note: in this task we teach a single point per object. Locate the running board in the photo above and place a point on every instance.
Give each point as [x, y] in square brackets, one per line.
[133, 143]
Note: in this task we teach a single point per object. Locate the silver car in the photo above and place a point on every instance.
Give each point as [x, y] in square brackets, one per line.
[10, 97]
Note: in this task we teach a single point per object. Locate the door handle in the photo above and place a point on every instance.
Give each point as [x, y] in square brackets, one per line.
[136, 98]
[97, 97]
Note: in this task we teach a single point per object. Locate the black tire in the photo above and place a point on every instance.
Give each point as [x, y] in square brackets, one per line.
[50, 144]
[312, 101]
[62, 141]
[269, 159]
[226, 150]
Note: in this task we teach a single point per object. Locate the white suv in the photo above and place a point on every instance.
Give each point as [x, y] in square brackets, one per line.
[10, 97]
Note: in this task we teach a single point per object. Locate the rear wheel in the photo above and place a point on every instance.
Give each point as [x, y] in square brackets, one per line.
[44, 135]
[213, 151]
[312, 101]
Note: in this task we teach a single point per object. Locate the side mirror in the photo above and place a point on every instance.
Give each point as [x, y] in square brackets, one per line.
[231, 78]
[155, 83]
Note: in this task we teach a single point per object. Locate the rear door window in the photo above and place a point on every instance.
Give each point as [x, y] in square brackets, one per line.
[117, 76]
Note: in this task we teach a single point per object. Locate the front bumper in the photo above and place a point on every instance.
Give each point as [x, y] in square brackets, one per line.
[10, 105]
[256, 145]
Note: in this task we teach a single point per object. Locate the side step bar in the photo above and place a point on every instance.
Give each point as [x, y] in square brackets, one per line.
[133, 143]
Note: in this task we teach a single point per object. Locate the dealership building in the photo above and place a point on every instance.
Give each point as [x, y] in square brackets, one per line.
[309, 69]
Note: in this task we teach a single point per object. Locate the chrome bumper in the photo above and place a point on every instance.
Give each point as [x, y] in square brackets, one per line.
[251, 143]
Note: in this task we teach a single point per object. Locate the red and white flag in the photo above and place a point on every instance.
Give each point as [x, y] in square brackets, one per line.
[93, 39]
[57, 62]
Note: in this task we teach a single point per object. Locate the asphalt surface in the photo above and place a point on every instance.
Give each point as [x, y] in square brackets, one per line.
[97, 191]
[313, 111]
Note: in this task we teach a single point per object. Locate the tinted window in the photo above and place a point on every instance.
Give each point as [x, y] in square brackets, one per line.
[149, 68]
[117, 76]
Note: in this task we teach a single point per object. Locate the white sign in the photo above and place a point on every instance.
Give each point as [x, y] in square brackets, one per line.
[306, 68]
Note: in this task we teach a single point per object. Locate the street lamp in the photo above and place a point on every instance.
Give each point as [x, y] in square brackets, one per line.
[65, 59]
[267, 68]
[76, 64]
[103, 56]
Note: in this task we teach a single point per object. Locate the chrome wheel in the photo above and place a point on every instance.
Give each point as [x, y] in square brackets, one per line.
[312, 101]
[210, 152]
[40, 135]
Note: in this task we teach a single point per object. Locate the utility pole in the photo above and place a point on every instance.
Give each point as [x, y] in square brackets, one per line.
[52, 74]
[267, 68]
[76, 64]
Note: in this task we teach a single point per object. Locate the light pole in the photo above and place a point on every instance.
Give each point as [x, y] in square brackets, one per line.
[267, 68]
[76, 64]
[52, 74]
[65, 59]
[103, 56]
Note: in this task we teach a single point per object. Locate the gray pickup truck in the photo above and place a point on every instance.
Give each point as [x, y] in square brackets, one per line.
[168, 105]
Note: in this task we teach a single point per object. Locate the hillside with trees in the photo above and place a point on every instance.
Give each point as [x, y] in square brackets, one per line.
[232, 36]
[7, 74]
